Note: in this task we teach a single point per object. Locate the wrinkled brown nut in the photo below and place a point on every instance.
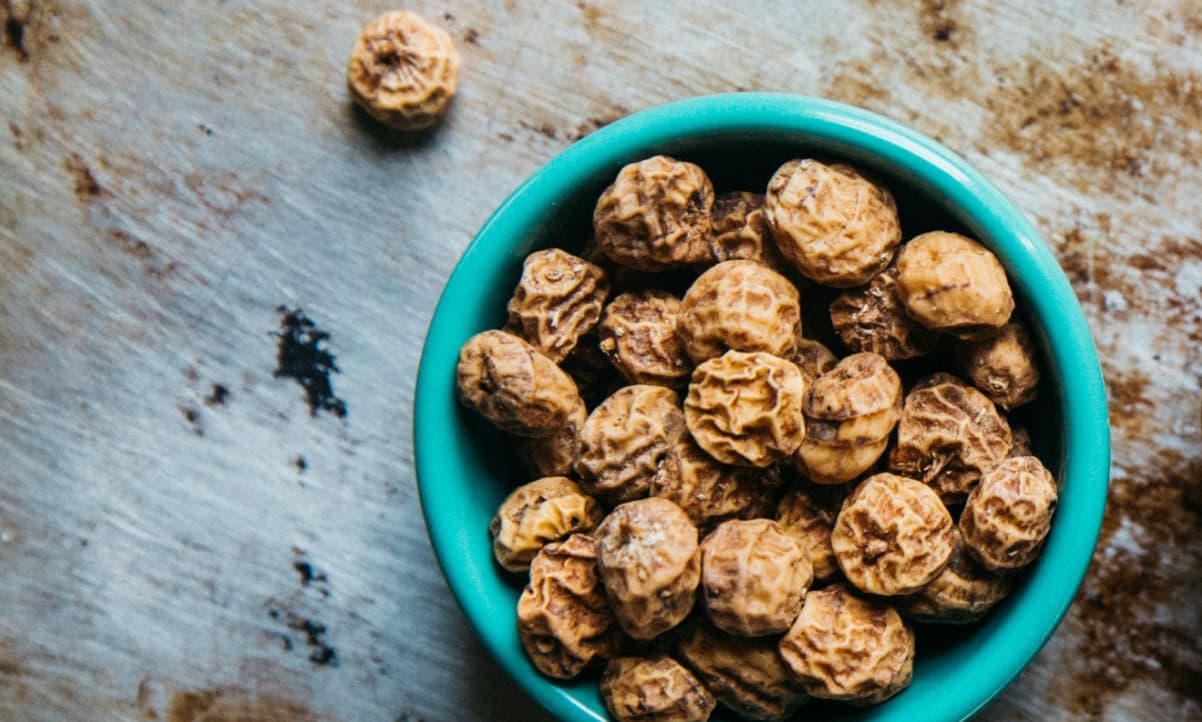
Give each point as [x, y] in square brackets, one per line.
[962, 593]
[953, 283]
[754, 577]
[656, 215]
[553, 455]
[739, 305]
[558, 299]
[835, 226]
[536, 514]
[845, 647]
[1007, 517]
[626, 438]
[1002, 366]
[745, 408]
[949, 435]
[823, 459]
[808, 513]
[813, 358]
[657, 689]
[650, 563]
[892, 536]
[403, 70]
[564, 622]
[513, 385]
[746, 674]
[873, 318]
[740, 231]
[709, 492]
[638, 335]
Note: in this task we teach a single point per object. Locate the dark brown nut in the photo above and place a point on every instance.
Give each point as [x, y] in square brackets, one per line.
[1009, 514]
[564, 622]
[625, 439]
[835, 226]
[557, 301]
[537, 514]
[403, 70]
[656, 215]
[845, 647]
[740, 231]
[808, 513]
[656, 689]
[754, 577]
[739, 305]
[962, 593]
[893, 535]
[1002, 366]
[709, 492]
[949, 435]
[813, 358]
[1021, 442]
[745, 408]
[953, 283]
[553, 455]
[638, 335]
[650, 564]
[513, 385]
[873, 318]
[746, 674]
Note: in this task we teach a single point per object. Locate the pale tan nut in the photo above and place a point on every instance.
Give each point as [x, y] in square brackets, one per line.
[650, 563]
[513, 385]
[708, 491]
[739, 230]
[813, 358]
[654, 689]
[638, 335]
[557, 301]
[831, 223]
[872, 318]
[893, 535]
[949, 282]
[656, 215]
[741, 306]
[823, 459]
[808, 513]
[1002, 366]
[845, 647]
[754, 577]
[745, 674]
[949, 435]
[564, 621]
[536, 514]
[625, 439]
[1007, 516]
[745, 408]
[553, 455]
[403, 70]
[962, 593]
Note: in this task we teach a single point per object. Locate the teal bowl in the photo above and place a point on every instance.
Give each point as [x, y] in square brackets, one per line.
[464, 469]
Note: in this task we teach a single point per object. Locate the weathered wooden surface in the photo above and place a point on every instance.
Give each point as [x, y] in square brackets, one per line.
[172, 173]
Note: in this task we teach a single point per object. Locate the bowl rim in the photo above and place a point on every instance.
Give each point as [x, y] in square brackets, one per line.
[937, 172]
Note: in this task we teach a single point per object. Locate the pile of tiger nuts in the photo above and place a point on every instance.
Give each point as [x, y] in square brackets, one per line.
[726, 511]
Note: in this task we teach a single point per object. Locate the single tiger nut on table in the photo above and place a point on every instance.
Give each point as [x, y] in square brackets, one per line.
[650, 564]
[873, 318]
[403, 70]
[1002, 366]
[808, 513]
[952, 283]
[1008, 515]
[753, 577]
[557, 301]
[625, 439]
[745, 408]
[655, 215]
[813, 358]
[962, 593]
[536, 514]
[708, 491]
[741, 306]
[654, 689]
[564, 621]
[553, 455]
[638, 335]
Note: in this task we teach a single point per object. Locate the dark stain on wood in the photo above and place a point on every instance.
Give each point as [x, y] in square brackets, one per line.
[217, 396]
[302, 355]
[300, 464]
[234, 704]
[86, 186]
[938, 21]
[311, 632]
[192, 416]
[471, 36]
[14, 30]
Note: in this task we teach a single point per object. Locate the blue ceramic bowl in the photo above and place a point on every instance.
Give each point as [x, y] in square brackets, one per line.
[740, 139]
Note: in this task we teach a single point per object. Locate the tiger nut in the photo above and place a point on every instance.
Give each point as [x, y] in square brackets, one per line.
[813, 358]
[1002, 366]
[739, 305]
[808, 512]
[638, 335]
[709, 492]
[754, 577]
[1007, 516]
[557, 300]
[553, 455]
[823, 459]
[655, 689]
[953, 283]
[873, 318]
[536, 514]
[738, 230]
[962, 593]
[624, 440]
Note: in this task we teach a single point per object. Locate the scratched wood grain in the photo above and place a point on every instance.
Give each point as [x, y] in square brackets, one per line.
[182, 539]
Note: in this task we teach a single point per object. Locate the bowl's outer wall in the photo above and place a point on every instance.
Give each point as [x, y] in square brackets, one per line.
[464, 470]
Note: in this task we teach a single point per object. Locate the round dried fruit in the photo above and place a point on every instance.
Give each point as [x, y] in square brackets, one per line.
[754, 576]
[626, 438]
[536, 514]
[740, 231]
[638, 334]
[813, 358]
[962, 593]
[558, 299]
[709, 492]
[554, 455]
[1003, 366]
[953, 283]
[739, 305]
[874, 319]
[656, 689]
[808, 513]
[1008, 516]
[403, 70]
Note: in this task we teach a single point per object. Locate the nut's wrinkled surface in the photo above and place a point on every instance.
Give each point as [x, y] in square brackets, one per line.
[656, 215]
[709, 492]
[813, 358]
[962, 593]
[949, 435]
[1009, 514]
[808, 512]
[650, 563]
[845, 647]
[1002, 366]
[953, 283]
[656, 689]
[746, 674]
[513, 385]
[638, 335]
[564, 622]
[833, 224]
[739, 305]
[739, 230]
[557, 300]
[536, 514]
[892, 536]
[754, 577]
[873, 318]
[626, 438]
[553, 455]
[403, 70]
[745, 408]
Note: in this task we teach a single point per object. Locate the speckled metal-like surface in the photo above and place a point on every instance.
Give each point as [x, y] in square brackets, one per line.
[207, 507]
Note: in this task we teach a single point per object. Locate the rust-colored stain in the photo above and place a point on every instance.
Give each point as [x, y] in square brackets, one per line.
[16, 18]
[471, 36]
[591, 14]
[939, 22]
[86, 185]
[233, 704]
